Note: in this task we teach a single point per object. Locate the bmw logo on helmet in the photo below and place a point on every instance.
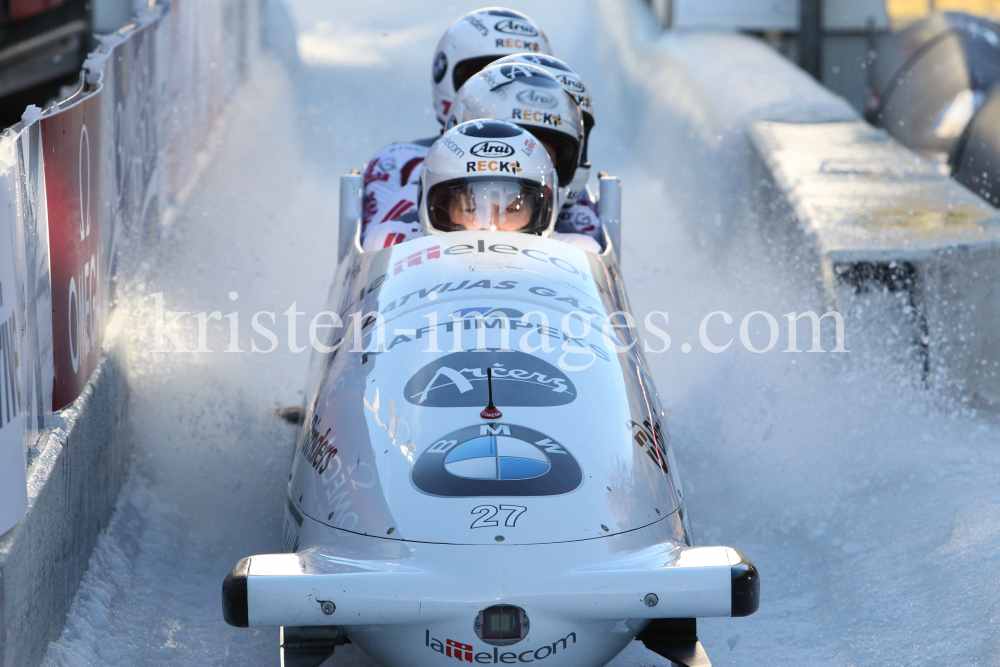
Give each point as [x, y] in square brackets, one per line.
[440, 66]
[496, 460]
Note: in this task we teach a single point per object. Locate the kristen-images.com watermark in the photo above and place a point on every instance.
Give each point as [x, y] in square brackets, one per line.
[578, 334]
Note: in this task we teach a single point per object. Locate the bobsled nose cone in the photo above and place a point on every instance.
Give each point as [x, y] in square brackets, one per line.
[746, 587]
[235, 608]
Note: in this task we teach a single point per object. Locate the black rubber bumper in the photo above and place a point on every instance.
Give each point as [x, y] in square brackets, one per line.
[746, 588]
[234, 596]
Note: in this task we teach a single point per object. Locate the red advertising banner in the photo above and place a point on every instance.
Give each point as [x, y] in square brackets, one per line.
[71, 143]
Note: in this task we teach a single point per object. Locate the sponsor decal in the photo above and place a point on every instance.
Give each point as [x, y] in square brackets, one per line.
[74, 200]
[529, 147]
[516, 27]
[450, 144]
[416, 259]
[542, 117]
[544, 61]
[519, 379]
[478, 25]
[521, 44]
[488, 311]
[649, 438]
[570, 82]
[496, 460]
[492, 149]
[318, 449]
[440, 66]
[501, 166]
[463, 652]
[538, 99]
[527, 74]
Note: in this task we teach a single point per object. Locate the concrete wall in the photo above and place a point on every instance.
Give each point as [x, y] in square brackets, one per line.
[72, 487]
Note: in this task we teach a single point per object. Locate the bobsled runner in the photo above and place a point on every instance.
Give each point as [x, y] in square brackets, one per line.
[480, 476]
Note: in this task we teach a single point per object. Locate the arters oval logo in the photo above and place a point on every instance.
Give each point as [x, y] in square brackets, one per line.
[459, 380]
[496, 460]
[492, 149]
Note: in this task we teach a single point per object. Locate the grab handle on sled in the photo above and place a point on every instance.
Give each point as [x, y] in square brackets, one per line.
[350, 214]
[609, 208]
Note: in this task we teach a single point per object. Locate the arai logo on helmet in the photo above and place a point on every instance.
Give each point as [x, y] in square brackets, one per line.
[492, 149]
[571, 83]
[440, 66]
[496, 460]
[516, 27]
[537, 99]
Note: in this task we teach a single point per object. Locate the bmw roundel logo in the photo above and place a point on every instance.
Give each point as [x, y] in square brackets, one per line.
[496, 460]
[440, 66]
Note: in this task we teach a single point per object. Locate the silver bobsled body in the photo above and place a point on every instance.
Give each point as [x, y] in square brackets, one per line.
[410, 516]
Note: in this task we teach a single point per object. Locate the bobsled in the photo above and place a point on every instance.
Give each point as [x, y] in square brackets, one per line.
[483, 473]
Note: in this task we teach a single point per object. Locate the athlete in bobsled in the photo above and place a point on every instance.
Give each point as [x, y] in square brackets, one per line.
[392, 175]
[473, 480]
[492, 175]
[579, 210]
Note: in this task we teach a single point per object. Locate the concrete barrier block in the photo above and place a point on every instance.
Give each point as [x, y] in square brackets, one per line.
[72, 486]
[875, 212]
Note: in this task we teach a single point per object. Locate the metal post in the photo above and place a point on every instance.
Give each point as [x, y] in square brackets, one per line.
[609, 209]
[811, 37]
[350, 214]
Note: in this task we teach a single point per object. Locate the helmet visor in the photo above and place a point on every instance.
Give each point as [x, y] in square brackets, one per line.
[493, 205]
[468, 68]
[563, 149]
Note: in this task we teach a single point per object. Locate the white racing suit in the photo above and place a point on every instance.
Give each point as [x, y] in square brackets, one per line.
[391, 185]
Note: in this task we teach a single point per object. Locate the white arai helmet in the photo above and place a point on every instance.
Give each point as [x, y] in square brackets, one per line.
[488, 175]
[574, 85]
[473, 42]
[532, 98]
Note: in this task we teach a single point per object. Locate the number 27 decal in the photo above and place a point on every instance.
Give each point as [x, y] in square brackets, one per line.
[487, 515]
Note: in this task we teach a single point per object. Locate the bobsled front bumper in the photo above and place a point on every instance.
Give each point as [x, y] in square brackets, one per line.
[443, 583]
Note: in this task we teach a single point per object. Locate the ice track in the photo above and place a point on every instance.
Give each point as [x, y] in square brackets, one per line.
[871, 508]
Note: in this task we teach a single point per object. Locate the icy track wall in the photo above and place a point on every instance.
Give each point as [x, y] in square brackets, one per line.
[84, 187]
[741, 134]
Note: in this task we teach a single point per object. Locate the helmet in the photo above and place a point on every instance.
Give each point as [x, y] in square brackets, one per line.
[490, 175]
[473, 42]
[574, 85]
[531, 98]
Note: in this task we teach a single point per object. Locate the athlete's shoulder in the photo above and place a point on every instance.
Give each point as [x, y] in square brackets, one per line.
[581, 241]
[392, 232]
